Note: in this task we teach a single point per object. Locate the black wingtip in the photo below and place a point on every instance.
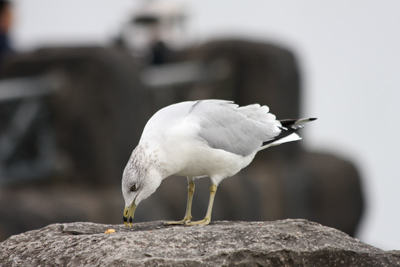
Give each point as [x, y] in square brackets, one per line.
[312, 119]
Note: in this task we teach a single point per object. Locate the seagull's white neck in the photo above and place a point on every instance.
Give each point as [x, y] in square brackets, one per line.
[149, 157]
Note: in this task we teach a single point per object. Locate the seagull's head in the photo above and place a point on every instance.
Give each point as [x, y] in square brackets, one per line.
[137, 184]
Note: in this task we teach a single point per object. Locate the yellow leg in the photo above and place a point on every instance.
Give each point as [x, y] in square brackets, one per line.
[207, 219]
[188, 214]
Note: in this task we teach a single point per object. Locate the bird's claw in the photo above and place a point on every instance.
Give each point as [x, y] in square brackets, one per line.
[184, 221]
[205, 221]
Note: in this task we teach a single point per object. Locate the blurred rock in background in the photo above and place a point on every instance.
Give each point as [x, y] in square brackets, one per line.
[94, 119]
[70, 118]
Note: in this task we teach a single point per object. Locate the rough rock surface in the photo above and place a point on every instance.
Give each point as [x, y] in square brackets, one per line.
[97, 117]
[222, 243]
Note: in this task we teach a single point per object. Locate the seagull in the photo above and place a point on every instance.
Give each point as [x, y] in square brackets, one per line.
[197, 139]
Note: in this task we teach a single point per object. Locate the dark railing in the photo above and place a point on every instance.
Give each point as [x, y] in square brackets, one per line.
[27, 147]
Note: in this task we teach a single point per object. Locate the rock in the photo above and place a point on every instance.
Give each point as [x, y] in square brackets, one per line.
[99, 113]
[278, 243]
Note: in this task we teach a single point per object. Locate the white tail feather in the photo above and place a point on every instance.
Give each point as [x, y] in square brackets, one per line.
[289, 138]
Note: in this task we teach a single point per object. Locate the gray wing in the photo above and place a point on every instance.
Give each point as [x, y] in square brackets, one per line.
[239, 130]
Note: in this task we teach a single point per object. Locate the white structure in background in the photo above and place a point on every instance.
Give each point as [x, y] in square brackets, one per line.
[153, 22]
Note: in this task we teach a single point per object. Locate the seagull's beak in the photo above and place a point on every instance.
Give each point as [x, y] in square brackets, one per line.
[129, 212]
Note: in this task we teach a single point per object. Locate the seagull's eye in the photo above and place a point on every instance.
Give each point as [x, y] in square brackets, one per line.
[133, 188]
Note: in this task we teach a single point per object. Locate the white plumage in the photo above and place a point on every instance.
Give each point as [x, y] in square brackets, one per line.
[213, 138]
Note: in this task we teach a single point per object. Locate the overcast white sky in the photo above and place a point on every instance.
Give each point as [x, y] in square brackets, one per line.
[349, 52]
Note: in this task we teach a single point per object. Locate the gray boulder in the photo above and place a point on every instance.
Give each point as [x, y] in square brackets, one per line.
[222, 243]
[96, 118]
